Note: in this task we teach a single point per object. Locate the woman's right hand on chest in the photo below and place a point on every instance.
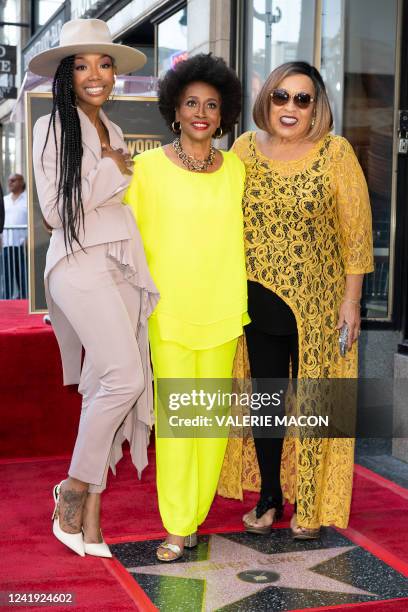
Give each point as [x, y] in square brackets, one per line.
[121, 158]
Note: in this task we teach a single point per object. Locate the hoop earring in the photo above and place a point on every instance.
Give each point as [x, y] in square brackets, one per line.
[112, 93]
[218, 136]
[175, 127]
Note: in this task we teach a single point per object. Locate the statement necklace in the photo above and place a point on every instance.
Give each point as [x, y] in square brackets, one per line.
[196, 165]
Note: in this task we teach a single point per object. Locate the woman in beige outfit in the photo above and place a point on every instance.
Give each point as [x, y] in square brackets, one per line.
[98, 288]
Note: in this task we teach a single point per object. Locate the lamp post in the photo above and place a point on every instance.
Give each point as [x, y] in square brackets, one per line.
[269, 18]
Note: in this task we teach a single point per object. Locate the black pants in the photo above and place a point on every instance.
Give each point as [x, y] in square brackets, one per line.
[14, 270]
[270, 356]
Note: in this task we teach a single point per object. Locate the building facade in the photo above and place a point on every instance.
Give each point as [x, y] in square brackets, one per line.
[361, 48]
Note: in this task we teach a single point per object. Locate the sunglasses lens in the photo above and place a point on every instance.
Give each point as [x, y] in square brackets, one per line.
[280, 97]
[302, 100]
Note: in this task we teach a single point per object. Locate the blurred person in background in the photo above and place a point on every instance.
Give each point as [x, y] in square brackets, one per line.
[1, 210]
[15, 240]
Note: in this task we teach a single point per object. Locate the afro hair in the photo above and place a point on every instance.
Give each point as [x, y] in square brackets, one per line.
[206, 69]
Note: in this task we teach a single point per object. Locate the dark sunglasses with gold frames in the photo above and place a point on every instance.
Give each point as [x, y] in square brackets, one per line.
[302, 99]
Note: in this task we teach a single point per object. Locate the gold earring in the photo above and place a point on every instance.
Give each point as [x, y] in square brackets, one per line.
[313, 121]
[175, 126]
[219, 135]
[112, 93]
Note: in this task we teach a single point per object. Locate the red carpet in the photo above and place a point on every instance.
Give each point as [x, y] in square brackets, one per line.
[14, 317]
[38, 419]
[36, 561]
[37, 415]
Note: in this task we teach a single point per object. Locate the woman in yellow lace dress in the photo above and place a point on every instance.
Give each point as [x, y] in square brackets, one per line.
[308, 245]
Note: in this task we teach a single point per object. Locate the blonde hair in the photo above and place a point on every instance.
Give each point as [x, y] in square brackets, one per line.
[323, 116]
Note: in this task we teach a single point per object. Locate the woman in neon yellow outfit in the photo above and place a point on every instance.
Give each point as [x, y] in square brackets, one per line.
[187, 201]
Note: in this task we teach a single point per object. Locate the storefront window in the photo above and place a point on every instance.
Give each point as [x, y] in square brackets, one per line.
[358, 65]
[276, 32]
[45, 9]
[142, 37]
[332, 59]
[171, 41]
[8, 12]
[358, 51]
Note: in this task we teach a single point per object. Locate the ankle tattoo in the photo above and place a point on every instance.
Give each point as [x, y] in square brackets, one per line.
[73, 502]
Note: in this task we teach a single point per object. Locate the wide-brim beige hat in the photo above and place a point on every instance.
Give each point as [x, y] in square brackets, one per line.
[87, 36]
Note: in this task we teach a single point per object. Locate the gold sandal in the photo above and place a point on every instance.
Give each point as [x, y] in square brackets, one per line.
[303, 533]
[251, 528]
[174, 548]
[264, 504]
[190, 541]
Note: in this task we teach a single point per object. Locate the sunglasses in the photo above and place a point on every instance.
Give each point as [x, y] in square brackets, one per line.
[280, 97]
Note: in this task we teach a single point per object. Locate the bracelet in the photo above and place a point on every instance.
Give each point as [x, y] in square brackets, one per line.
[357, 302]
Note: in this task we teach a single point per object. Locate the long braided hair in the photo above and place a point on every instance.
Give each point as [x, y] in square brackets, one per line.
[69, 154]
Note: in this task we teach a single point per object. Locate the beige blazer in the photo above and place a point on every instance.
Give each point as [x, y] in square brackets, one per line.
[107, 220]
[103, 186]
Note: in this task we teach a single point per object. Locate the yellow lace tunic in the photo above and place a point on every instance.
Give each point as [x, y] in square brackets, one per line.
[307, 225]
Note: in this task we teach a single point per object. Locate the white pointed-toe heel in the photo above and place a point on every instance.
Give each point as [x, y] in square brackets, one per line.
[98, 549]
[74, 541]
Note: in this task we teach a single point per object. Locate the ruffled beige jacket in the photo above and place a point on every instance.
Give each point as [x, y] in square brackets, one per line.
[107, 221]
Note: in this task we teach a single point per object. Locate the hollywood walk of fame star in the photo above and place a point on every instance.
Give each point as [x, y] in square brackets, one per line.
[234, 571]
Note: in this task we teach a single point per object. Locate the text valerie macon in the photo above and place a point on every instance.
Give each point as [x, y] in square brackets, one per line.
[249, 420]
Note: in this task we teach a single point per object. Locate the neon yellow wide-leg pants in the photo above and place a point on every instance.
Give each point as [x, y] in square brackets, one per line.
[188, 469]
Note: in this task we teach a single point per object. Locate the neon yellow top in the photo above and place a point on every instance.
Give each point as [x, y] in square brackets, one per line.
[192, 229]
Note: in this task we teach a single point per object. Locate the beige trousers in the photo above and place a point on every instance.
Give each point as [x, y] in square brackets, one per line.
[103, 308]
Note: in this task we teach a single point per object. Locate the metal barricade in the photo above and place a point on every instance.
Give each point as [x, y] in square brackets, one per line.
[13, 263]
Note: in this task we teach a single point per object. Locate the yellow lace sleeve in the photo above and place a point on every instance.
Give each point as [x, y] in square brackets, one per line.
[353, 209]
[241, 146]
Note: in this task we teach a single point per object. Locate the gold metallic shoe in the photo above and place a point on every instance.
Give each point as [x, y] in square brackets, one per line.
[264, 504]
[303, 533]
[251, 528]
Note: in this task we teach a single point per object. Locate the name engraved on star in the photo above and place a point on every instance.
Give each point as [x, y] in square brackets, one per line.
[287, 559]
[210, 566]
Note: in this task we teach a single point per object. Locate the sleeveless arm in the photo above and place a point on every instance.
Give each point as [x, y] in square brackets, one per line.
[98, 185]
[354, 211]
